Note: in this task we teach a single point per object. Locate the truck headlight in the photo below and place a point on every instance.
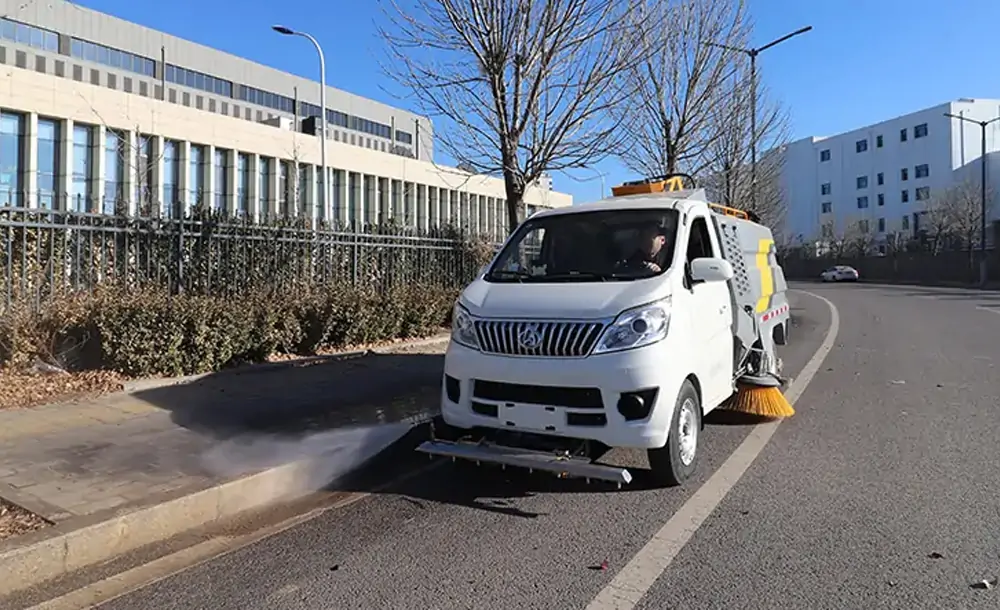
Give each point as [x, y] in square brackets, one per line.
[463, 327]
[636, 327]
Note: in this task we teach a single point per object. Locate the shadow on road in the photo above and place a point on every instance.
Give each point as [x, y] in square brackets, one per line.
[304, 398]
[327, 417]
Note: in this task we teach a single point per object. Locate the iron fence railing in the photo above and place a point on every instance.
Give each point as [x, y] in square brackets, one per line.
[43, 252]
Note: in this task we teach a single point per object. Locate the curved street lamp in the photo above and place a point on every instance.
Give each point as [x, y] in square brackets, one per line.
[322, 108]
[752, 54]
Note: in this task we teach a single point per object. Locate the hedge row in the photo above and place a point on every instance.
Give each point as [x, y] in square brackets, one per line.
[150, 332]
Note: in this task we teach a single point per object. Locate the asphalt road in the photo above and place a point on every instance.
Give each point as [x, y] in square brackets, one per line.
[880, 493]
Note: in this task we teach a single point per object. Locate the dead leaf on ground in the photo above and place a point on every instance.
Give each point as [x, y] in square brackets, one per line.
[15, 520]
[25, 389]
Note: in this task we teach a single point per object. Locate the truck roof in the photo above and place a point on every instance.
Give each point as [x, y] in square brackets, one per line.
[682, 201]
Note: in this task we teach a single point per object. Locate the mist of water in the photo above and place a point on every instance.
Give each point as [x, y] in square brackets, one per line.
[330, 455]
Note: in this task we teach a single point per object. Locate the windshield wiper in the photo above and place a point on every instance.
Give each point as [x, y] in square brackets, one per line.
[508, 274]
[580, 275]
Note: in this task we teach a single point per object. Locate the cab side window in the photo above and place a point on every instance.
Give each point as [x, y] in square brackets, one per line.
[699, 240]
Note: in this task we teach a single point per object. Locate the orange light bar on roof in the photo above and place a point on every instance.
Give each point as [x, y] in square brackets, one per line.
[642, 187]
[728, 211]
[670, 183]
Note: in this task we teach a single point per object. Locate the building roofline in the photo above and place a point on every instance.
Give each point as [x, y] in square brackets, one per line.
[962, 100]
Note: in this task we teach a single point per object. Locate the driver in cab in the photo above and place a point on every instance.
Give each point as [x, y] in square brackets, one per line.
[649, 253]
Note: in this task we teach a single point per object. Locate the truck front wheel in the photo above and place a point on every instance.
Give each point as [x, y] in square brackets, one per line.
[677, 461]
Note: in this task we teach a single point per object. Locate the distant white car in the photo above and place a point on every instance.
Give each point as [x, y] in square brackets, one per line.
[840, 273]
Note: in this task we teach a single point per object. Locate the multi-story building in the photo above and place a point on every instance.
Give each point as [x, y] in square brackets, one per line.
[881, 178]
[99, 114]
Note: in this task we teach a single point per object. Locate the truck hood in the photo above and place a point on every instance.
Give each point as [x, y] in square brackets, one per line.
[585, 300]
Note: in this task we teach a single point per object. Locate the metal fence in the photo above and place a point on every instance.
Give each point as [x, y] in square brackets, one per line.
[43, 252]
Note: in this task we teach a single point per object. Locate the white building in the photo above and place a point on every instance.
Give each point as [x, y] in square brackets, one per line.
[883, 175]
[97, 114]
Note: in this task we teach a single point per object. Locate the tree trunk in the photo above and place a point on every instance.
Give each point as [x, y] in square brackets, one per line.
[515, 199]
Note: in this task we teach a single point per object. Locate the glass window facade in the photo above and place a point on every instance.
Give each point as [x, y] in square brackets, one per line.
[113, 58]
[267, 99]
[144, 174]
[303, 188]
[196, 175]
[347, 121]
[115, 161]
[172, 205]
[264, 187]
[11, 158]
[198, 80]
[284, 171]
[81, 191]
[221, 179]
[320, 193]
[85, 50]
[29, 35]
[47, 163]
[243, 183]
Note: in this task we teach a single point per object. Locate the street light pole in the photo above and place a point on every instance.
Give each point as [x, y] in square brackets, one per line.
[322, 108]
[753, 53]
[983, 269]
[597, 175]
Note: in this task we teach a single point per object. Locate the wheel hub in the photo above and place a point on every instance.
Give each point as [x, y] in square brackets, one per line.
[687, 432]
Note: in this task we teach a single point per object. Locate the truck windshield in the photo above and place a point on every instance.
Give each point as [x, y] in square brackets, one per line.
[612, 245]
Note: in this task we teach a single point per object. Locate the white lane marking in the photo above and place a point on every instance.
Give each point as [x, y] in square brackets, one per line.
[990, 309]
[139, 577]
[639, 574]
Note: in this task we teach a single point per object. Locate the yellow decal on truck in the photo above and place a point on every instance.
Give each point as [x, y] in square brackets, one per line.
[766, 274]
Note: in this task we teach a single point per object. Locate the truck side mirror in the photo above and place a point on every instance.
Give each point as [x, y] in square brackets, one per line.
[711, 270]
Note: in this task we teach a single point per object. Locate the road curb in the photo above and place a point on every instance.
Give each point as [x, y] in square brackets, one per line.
[63, 548]
[141, 385]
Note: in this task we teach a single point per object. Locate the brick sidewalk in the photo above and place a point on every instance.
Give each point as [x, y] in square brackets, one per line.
[101, 455]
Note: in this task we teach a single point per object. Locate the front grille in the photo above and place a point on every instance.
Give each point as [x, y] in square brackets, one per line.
[545, 339]
[553, 396]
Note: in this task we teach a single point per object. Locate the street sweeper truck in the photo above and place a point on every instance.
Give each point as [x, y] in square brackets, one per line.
[615, 324]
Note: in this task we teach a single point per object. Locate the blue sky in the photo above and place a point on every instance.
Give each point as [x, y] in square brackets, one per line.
[864, 61]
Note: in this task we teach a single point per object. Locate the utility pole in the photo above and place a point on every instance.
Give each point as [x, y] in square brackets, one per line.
[983, 261]
[753, 53]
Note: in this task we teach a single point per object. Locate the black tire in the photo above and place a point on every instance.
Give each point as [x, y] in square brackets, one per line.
[780, 334]
[666, 463]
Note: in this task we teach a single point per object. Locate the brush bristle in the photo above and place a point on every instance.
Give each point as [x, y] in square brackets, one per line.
[764, 402]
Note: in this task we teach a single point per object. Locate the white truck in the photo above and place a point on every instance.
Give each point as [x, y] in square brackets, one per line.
[614, 324]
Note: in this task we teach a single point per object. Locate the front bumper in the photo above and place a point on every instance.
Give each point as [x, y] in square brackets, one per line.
[572, 398]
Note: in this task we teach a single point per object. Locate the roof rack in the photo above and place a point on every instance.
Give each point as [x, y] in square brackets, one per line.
[673, 183]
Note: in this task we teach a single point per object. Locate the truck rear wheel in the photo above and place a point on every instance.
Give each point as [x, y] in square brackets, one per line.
[677, 461]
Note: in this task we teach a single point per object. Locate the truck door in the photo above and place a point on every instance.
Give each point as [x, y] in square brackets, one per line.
[712, 316]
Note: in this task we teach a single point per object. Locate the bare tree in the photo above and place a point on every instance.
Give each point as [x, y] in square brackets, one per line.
[137, 161]
[679, 85]
[523, 86]
[849, 237]
[726, 171]
[954, 216]
[293, 195]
